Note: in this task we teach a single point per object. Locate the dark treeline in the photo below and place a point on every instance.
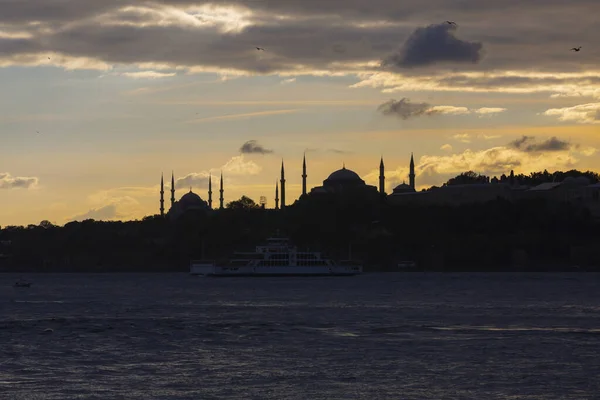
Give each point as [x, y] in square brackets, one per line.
[498, 235]
[534, 178]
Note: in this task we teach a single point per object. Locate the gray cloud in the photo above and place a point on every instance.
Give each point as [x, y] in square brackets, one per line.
[100, 214]
[16, 182]
[317, 34]
[195, 179]
[527, 144]
[253, 147]
[433, 44]
[404, 109]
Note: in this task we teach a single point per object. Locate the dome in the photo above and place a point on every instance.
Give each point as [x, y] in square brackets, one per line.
[345, 175]
[403, 188]
[191, 199]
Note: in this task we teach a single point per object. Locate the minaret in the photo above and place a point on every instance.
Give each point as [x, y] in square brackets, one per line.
[221, 193]
[282, 186]
[381, 177]
[304, 175]
[172, 189]
[162, 196]
[411, 175]
[276, 195]
[209, 191]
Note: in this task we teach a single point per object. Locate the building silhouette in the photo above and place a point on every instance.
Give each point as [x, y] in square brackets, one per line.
[282, 186]
[190, 201]
[343, 181]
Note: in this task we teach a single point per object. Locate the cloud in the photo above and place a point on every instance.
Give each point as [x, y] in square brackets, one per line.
[7, 181]
[582, 114]
[239, 166]
[523, 153]
[252, 147]
[489, 110]
[527, 144]
[105, 213]
[462, 137]
[405, 109]
[338, 151]
[556, 84]
[288, 81]
[488, 137]
[148, 74]
[244, 115]
[236, 166]
[194, 179]
[449, 110]
[221, 36]
[446, 147]
[108, 205]
[434, 44]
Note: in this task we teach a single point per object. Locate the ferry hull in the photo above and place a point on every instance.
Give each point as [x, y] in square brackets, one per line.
[222, 271]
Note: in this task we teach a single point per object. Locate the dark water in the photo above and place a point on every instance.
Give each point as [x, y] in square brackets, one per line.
[382, 336]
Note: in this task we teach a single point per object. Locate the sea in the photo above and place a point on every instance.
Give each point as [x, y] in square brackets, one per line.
[375, 336]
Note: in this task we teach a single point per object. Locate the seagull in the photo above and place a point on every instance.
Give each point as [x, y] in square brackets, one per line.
[260, 48]
[451, 23]
[576, 48]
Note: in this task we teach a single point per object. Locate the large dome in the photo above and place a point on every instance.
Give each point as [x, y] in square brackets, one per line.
[344, 175]
[191, 199]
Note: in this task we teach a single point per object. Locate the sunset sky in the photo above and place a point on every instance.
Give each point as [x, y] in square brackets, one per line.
[98, 98]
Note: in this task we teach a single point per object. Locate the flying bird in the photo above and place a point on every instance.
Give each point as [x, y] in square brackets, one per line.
[576, 48]
[260, 48]
[451, 23]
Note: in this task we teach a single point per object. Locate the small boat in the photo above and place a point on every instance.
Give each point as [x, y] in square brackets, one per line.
[22, 284]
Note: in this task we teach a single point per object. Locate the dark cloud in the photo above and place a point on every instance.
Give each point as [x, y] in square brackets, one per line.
[253, 147]
[527, 144]
[23, 11]
[99, 214]
[16, 182]
[404, 109]
[434, 44]
[194, 179]
[317, 34]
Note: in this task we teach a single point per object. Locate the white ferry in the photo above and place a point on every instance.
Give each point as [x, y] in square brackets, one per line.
[277, 258]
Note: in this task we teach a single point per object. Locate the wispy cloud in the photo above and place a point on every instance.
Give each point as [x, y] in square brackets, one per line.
[104, 213]
[7, 181]
[148, 74]
[446, 147]
[243, 116]
[288, 81]
[490, 110]
[583, 113]
[332, 103]
[462, 137]
[406, 109]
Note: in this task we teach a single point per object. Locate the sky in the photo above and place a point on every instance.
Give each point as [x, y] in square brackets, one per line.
[99, 98]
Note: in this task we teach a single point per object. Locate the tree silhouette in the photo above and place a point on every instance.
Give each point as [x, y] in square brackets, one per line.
[244, 203]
